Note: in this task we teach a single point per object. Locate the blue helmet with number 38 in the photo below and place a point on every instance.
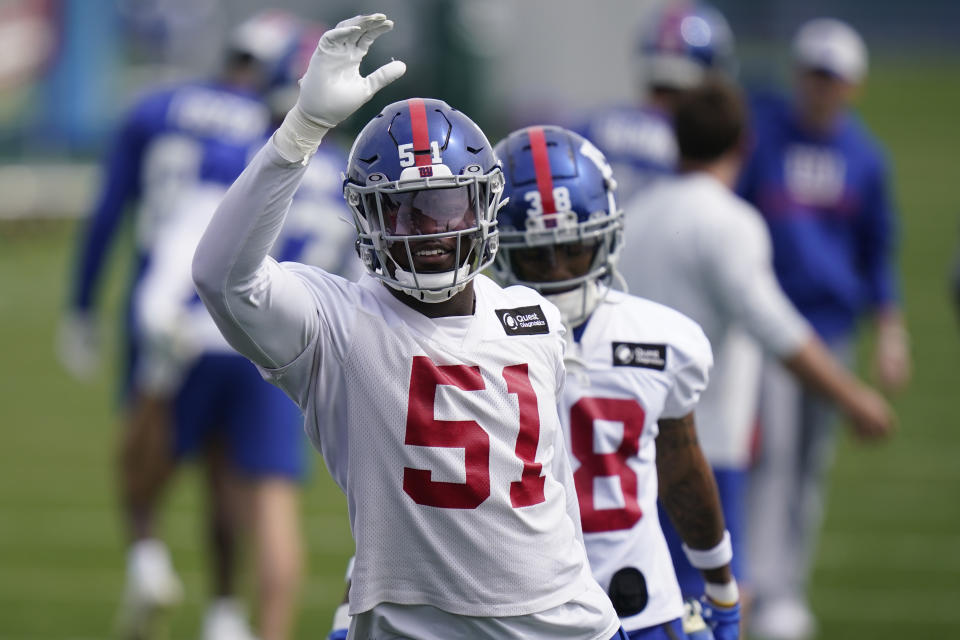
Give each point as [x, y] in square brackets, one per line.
[424, 184]
[560, 198]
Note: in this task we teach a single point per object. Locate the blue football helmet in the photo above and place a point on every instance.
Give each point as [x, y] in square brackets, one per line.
[560, 197]
[424, 184]
[684, 41]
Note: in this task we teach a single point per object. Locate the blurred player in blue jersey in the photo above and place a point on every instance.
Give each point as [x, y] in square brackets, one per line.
[185, 391]
[680, 42]
[821, 182]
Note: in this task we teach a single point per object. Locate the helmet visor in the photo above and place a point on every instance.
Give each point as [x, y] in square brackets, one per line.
[426, 211]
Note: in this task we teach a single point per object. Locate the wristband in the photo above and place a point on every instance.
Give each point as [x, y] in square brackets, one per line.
[714, 558]
[724, 595]
[298, 136]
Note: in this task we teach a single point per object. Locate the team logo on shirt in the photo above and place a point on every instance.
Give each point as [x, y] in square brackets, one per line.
[523, 321]
[635, 354]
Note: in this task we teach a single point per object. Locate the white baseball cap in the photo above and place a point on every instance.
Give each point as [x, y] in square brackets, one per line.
[833, 46]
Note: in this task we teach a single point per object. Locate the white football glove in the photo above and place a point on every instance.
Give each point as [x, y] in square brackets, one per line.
[332, 88]
[78, 344]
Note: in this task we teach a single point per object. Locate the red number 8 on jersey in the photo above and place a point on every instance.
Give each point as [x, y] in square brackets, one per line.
[583, 418]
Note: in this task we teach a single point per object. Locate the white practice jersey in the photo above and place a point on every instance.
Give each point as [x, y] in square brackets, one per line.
[445, 430]
[442, 432]
[695, 246]
[636, 362]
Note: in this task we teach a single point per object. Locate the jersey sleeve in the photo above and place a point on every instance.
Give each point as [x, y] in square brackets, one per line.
[264, 310]
[336, 300]
[563, 472]
[736, 262]
[876, 231]
[120, 185]
[689, 358]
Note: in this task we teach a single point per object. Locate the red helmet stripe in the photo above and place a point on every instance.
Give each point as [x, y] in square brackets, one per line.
[421, 135]
[541, 167]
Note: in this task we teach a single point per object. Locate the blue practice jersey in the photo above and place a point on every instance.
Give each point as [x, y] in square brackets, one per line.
[171, 141]
[826, 201]
[175, 155]
[638, 142]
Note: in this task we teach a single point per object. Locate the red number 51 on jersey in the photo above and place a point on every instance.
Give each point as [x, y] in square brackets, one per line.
[424, 430]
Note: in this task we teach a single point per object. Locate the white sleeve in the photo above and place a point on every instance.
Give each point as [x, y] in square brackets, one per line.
[736, 261]
[265, 311]
[689, 359]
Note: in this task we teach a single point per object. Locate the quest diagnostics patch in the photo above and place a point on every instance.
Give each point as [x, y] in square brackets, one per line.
[523, 321]
[634, 354]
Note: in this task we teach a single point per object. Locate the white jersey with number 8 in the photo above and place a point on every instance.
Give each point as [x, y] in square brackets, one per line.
[636, 362]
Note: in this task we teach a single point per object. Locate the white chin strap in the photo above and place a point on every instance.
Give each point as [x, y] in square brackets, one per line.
[575, 305]
[434, 287]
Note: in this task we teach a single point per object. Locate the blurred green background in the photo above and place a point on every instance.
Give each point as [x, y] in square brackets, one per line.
[889, 564]
[889, 561]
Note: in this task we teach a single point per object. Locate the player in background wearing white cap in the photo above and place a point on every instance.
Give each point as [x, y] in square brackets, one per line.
[187, 392]
[821, 182]
[700, 249]
[430, 390]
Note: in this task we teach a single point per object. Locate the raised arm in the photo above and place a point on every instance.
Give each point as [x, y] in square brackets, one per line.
[265, 311]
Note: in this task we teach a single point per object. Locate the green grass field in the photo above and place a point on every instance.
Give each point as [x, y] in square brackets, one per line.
[889, 563]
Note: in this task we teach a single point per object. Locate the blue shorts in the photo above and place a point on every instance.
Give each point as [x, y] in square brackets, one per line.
[670, 630]
[732, 486]
[224, 396]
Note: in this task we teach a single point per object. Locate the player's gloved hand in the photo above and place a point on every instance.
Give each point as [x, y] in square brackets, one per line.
[78, 344]
[332, 87]
[694, 626]
[720, 614]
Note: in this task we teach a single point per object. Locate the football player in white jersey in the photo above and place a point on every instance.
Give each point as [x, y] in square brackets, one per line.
[635, 371]
[430, 391]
